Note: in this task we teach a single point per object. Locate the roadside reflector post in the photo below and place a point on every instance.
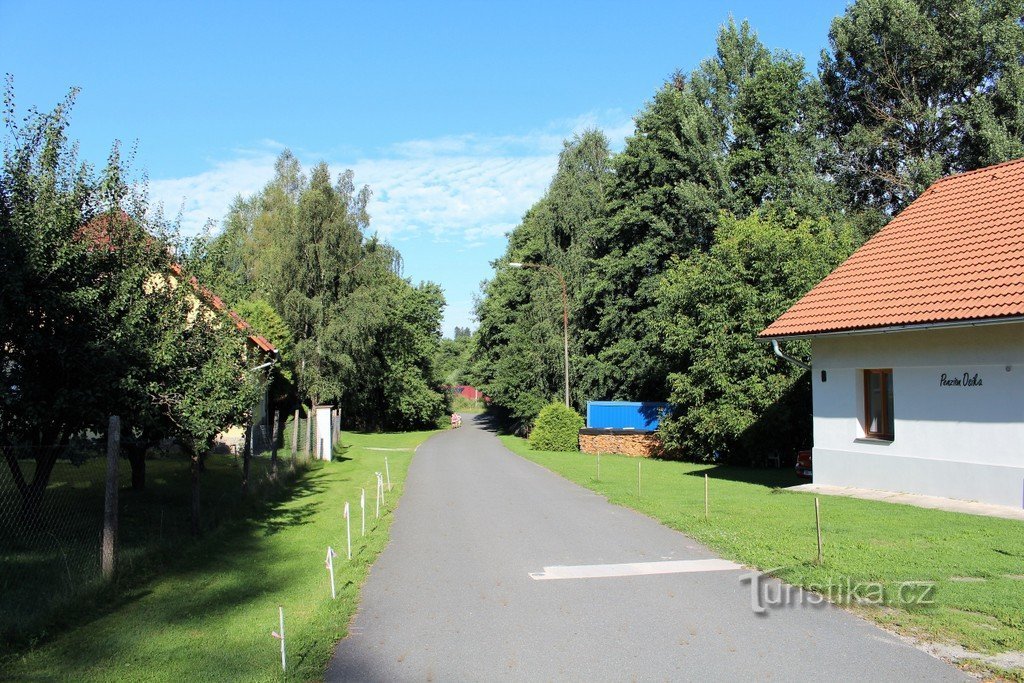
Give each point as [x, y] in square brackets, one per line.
[705, 497]
[377, 511]
[348, 529]
[330, 568]
[387, 470]
[817, 523]
[279, 634]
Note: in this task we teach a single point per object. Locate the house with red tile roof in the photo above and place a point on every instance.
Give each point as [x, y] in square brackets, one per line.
[917, 343]
[97, 232]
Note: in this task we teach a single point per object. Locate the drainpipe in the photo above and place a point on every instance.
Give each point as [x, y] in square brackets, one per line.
[778, 352]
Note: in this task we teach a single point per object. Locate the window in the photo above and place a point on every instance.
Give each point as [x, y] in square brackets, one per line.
[878, 423]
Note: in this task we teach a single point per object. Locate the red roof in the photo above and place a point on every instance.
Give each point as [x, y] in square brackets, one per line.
[955, 254]
[218, 304]
[97, 232]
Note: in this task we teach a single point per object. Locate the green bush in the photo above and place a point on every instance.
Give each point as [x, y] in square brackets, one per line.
[557, 429]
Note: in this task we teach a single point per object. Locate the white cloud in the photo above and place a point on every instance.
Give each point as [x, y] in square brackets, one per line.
[453, 198]
[457, 188]
[207, 196]
[455, 194]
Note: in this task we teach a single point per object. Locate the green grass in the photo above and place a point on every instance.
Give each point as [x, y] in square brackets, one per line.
[755, 522]
[207, 611]
[461, 404]
[51, 566]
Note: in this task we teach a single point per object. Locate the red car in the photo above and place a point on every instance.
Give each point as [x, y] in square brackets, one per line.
[803, 464]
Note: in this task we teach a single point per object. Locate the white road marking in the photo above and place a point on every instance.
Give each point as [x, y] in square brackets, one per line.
[600, 571]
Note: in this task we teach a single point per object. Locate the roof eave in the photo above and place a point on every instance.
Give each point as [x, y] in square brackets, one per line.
[889, 329]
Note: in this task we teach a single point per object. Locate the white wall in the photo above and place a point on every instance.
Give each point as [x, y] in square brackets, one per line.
[955, 441]
[324, 433]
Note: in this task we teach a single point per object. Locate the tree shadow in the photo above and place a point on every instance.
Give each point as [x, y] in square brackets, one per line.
[769, 477]
[234, 526]
[498, 421]
[340, 453]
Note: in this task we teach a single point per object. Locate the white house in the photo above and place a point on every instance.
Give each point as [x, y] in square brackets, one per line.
[917, 343]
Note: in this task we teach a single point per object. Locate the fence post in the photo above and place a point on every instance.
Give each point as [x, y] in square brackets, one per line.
[295, 434]
[246, 457]
[275, 421]
[309, 433]
[110, 498]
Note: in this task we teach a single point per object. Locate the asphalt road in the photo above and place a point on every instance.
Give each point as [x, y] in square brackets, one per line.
[452, 597]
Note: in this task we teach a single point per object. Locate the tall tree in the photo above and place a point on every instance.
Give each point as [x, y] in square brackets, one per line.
[300, 246]
[732, 399]
[742, 131]
[318, 261]
[519, 356]
[921, 88]
[92, 320]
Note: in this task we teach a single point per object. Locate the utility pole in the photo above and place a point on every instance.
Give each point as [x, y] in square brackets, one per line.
[565, 315]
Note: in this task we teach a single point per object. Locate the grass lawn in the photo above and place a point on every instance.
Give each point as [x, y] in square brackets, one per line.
[976, 562]
[206, 612]
[461, 404]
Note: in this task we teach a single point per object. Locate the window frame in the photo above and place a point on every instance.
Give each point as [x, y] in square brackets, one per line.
[886, 419]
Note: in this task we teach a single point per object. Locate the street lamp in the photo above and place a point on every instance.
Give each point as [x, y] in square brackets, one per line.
[565, 315]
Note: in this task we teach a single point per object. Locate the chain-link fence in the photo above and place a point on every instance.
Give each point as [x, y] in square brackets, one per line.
[51, 513]
[52, 508]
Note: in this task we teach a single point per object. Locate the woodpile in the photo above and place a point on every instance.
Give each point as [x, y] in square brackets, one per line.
[623, 442]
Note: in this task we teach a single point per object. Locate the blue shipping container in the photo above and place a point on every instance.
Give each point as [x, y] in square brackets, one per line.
[641, 416]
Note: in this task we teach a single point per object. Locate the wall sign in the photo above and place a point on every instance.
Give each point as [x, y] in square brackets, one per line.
[964, 380]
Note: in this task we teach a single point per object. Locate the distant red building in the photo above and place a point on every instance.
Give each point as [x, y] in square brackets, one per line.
[466, 391]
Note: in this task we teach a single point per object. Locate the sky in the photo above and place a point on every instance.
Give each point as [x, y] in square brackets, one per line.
[452, 112]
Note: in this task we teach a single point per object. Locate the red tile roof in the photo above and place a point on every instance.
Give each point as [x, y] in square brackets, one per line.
[955, 254]
[97, 232]
[218, 304]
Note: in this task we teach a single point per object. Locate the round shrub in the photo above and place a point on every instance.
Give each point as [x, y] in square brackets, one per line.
[557, 429]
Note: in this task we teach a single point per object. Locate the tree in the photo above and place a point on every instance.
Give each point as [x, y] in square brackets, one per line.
[519, 356]
[455, 356]
[742, 131]
[203, 379]
[74, 319]
[301, 247]
[557, 428]
[918, 89]
[395, 343]
[733, 399]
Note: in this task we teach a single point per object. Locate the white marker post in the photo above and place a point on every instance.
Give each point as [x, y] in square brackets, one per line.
[705, 497]
[362, 508]
[380, 482]
[388, 471]
[817, 523]
[280, 636]
[348, 530]
[377, 513]
[329, 563]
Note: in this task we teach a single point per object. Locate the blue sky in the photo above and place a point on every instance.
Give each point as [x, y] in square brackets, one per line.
[452, 112]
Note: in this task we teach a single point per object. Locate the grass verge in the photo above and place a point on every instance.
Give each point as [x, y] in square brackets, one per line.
[977, 563]
[208, 611]
[461, 404]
